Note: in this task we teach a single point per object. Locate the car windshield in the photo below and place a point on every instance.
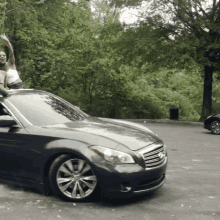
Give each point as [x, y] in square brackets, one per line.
[45, 109]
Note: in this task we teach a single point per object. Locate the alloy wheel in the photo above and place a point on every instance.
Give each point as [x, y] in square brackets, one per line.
[76, 179]
[215, 127]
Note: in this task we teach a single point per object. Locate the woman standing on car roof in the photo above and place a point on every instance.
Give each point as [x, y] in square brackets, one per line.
[12, 79]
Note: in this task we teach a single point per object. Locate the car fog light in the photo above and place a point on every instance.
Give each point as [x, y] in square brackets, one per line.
[125, 187]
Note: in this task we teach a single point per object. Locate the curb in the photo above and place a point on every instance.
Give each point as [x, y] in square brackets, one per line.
[165, 121]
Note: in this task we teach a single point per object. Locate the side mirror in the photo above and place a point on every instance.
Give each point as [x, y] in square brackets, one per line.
[7, 121]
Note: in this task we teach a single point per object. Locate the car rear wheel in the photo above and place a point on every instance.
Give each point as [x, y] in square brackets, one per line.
[215, 127]
[72, 178]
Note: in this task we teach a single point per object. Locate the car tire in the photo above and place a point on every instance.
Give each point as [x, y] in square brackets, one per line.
[72, 178]
[215, 127]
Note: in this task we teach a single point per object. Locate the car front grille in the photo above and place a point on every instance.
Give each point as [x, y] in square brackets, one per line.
[154, 157]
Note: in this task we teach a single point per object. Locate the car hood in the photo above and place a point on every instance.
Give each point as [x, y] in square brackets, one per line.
[216, 115]
[132, 135]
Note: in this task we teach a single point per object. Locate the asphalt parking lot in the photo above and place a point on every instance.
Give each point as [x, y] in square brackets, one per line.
[191, 191]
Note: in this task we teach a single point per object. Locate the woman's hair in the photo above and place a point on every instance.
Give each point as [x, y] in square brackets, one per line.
[2, 47]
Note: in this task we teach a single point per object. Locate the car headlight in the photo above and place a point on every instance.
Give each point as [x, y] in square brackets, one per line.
[112, 156]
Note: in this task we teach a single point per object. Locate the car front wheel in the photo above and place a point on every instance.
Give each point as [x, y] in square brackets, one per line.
[72, 178]
[215, 127]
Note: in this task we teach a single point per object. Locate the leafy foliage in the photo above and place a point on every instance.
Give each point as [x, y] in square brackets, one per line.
[194, 23]
[102, 66]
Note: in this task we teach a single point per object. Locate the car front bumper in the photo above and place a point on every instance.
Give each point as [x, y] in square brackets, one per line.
[129, 179]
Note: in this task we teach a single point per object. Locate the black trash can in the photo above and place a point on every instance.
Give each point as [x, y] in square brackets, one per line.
[174, 113]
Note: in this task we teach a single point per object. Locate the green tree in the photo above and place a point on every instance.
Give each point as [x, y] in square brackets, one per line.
[197, 20]
[95, 62]
[3, 4]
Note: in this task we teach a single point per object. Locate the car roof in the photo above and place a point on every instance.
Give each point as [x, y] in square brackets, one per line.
[24, 92]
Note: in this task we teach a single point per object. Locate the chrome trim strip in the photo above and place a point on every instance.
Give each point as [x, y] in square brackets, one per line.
[19, 112]
[156, 167]
[154, 164]
[153, 156]
[153, 188]
[147, 149]
[147, 154]
[155, 160]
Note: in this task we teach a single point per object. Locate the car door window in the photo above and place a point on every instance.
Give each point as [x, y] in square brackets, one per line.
[3, 111]
[6, 116]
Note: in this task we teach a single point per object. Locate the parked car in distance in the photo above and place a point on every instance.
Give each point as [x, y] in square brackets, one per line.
[212, 123]
[51, 145]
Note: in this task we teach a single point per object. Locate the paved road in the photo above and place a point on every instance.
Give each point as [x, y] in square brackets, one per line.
[191, 192]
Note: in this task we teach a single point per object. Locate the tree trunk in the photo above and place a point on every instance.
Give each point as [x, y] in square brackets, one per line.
[207, 93]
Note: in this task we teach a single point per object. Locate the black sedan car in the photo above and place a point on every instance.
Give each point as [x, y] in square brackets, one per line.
[53, 146]
[212, 123]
